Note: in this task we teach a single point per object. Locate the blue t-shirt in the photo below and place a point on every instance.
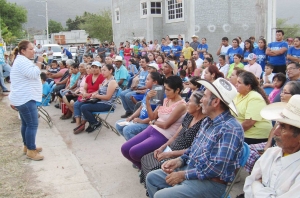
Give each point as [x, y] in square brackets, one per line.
[133, 68]
[246, 53]
[121, 53]
[120, 74]
[231, 52]
[201, 47]
[261, 57]
[46, 91]
[280, 59]
[144, 113]
[69, 54]
[2, 59]
[292, 51]
[74, 78]
[176, 50]
[142, 78]
[166, 49]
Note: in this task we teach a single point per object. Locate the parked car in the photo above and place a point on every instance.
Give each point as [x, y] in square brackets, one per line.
[56, 51]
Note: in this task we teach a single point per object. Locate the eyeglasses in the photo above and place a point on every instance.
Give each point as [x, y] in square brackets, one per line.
[290, 69]
[285, 93]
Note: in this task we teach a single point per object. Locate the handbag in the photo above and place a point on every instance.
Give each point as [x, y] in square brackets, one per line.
[92, 100]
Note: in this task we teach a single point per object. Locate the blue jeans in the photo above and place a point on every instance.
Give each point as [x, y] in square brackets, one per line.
[50, 61]
[29, 117]
[126, 100]
[130, 130]
[88, 108]
[77, 109]
[3, 75]
[158, 188]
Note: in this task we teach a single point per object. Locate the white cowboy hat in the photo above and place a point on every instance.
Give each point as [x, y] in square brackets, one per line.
[288, 113]
[195, 36]
[223, 89]
[118, 58]
[153, 65]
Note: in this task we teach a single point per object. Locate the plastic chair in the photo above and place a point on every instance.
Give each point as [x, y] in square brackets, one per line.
[112, 110]
[44, 114]
[243, 161]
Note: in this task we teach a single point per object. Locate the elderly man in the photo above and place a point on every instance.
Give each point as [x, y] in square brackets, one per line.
[140, 88]
[252, 66]
[276, 173]
[121, 73]
[209, 164]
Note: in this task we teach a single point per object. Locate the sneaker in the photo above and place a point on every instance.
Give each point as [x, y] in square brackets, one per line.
[89, 128]
[57, 106]
[94, 127]
[126, 115]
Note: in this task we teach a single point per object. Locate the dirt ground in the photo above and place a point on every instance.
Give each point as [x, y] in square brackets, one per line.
[16, 179]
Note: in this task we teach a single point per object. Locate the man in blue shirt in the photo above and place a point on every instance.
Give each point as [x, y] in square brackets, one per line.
[203, 47]
[176, 49]
[126, 94]
[165, 48]
[66, 52]
[209, 164]
[121, 73]
[277, 52]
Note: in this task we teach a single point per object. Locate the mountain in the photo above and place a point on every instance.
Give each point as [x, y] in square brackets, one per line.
[58, 10]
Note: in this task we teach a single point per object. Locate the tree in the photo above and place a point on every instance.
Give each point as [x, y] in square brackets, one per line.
[13, 17]
[290, 30]
[74, 24]
[98, 26]
[54, 26]
[6, 33]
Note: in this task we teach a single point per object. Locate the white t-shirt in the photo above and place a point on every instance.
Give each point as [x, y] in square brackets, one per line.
[39, 52]
[224, 49]
[242, 45]
[224, 69]
[270, 77]
[199, 62]
[50, 54]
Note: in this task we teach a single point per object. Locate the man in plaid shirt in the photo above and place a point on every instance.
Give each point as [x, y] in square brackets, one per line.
[209, 164]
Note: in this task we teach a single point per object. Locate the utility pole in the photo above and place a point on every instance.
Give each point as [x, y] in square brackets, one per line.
[46, 1]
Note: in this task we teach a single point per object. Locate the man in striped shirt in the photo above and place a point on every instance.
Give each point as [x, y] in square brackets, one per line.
[81, 53]
[209, 164]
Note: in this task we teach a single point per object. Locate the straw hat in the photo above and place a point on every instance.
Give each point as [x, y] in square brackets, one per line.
[195, 36]
[224, 90]
[288, 113]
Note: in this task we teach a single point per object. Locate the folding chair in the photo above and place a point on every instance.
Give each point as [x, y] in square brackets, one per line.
[103, 121]
[243, 161]
[44, 114]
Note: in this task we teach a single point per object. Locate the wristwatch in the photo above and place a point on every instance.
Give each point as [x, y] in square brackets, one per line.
[153, 121]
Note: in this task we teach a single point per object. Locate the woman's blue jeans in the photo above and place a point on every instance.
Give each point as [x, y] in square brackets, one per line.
[29, 117]
[131, 130]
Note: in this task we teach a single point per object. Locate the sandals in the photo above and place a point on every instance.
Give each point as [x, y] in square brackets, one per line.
[79, 129]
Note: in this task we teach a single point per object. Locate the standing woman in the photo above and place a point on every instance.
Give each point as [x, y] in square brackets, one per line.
[127, 53]
[260, 52]
[247, 50]
[26, 90]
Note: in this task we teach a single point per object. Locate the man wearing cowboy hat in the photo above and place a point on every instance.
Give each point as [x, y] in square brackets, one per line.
[209, 164]
[121, 73]
[194, 44]
[276, 173]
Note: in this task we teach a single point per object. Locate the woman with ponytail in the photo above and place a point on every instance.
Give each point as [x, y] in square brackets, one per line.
[249, 102]
[26, 90]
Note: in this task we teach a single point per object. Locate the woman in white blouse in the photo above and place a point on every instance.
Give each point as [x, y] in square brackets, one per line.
[26, 90]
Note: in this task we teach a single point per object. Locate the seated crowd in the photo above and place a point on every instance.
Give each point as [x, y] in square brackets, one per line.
[190, 143]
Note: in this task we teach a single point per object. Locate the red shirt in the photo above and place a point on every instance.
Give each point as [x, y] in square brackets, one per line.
[127, 51]
[92, 87]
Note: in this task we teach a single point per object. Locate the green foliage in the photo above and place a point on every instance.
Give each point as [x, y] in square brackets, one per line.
[6, 34]
[54, 26]
[98, 26]
[13, 17]
[290, 30]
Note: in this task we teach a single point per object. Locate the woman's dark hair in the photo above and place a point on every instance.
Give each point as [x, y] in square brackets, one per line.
[265, 42]
[237, 40]
[132, 61]
[294, 87]
[146, 59]
[21, 46]
[64, 63]
[157, 77]
[75, 65]
[210, 56]
[43, 76]
[194, 80]
[182, 73]
[210, 60]
[251, 46]
[193, 67]
[174, 82]
[239, 56]
[280, 77]
[214, 70]
[162, 57]
[198, 96]
[110, 67]
[249, 78]
[222, 56]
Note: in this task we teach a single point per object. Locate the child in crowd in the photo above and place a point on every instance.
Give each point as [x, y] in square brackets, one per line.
[267, 77]
[182, 74]
[46, 90]
[132, 70]
[190, 87]
[54, 67]
[121, 52]
[278, 81]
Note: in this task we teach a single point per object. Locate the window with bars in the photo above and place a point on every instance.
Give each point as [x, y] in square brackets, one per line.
[175, 9]
[144, 8]
[155, 7]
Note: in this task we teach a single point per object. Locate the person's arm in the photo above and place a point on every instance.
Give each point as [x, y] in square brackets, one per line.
[151, 114]
[57, 75]
[120, 82]
[112, 85]
[279, 52]
[293, 59]
[219, 50]
[248, 123]
[179, 110]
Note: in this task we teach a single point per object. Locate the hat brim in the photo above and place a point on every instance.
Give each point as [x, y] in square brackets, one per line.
[214, 90]
[274, 112]
[195, 37]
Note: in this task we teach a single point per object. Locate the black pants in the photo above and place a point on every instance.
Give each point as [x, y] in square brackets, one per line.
[279, 68]
[254, 141]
